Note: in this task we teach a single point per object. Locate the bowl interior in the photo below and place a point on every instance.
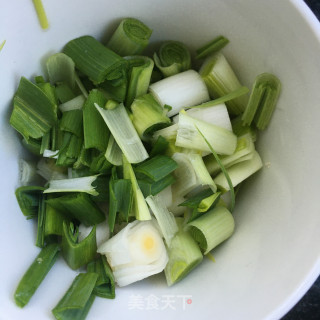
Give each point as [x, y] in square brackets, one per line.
[273, 256]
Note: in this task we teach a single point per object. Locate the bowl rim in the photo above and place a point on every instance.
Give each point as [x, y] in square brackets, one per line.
[314, 24]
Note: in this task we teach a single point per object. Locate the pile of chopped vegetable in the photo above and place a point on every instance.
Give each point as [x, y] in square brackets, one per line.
[137, 160]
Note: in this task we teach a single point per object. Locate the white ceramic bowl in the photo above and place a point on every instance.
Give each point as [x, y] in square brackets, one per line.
[273, 257]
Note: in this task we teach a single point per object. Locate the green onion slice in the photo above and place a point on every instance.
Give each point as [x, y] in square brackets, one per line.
[28, 198]
[125, 134]
[78, 206]
[77, 254]
[224, 99]
[140, 207]
[140, 70]
[221, 80]
[2, 44]
[148, 116]
[212, 228]
[173, 57]
[33, 112]
[224, 171]
[262, 101]
[77, 301]
[156, 168]
[212, 47]
[37, 271]
[41, 14]
[159, 146]
[105, 285]
[96, 133]
[130, 38]
[120, 199]
[61, 69]
[184, 256]
[95, 60]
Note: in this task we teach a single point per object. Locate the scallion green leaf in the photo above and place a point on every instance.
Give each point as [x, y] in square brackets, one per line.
[41, 14]
[28, 198]
[130, 38]
[239, 172]
[95, 60]
[212, 47]
[2, 44]
[33, 112]
[224, 171]
[77, 254]
[77, 301]
[159, 146]
[174, 57]
[113, 153]
[61, 69]
[105, 285]
[96, 133]
[140, 70]
[221, 80]
[239, 129]
[37, 271]
[212, 228]
[184, 256]
[262, 102]
[148, 116]
[120, 200]
[71, 121]
[78, 206]
[140, 207]
[156, 168]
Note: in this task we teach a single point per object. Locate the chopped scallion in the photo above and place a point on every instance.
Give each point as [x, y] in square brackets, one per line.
[173, 57]
[212, 228]
[77, 301]
[77, 254]
[95, 60]
[41, 14]
[37, 271]
[185, 89]
[212, 47]
[130, 38]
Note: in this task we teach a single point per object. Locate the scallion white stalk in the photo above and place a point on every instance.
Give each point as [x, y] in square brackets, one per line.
[113, 153]
[141, 209]
[216, 115]
[169, 133]
[136, 252]
[182, 90]
[202, 174]
[239, 172]
[74, 104]
[27, 172]
[49, 171]
[222, 140]
[124, 133]
[50, 154]
[166, 196]
[184, 256]
[212, 228]
[83, 184]
[165, 219]
[221, 80]
[245, 146]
